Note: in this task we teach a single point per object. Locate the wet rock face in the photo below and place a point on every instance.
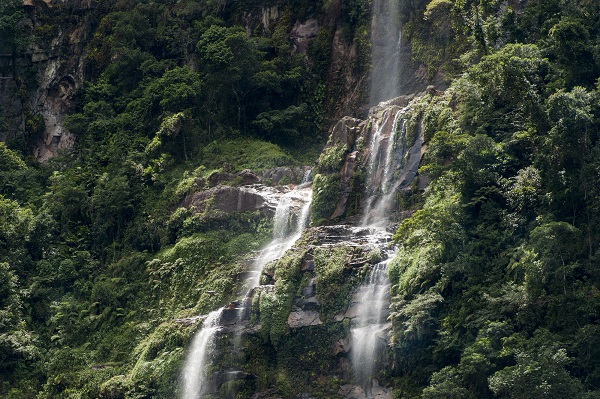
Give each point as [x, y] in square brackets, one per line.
[59, 64]
[286, 175]
[343, 248]
[303, 318]
[384, 125]
[244, 191]
[234, 199]
[303, 33]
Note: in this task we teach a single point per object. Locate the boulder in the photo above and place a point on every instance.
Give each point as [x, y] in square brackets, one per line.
[309, 290]
[233, 199]
[347, 131]
[311, 303]
[218, 178]
[341, 346]
[303, 318]
[286, 175]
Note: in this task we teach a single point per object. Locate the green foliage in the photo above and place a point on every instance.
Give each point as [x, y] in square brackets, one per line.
[243, 154]
[189, 274]
[9, 160]
[17, 343]
[497, 255]
[503, 90]
[17, 180]
[326, 191]
[495, 286]
[332, 158]
[12, 29]
[539, 370]
[275, 306]
[332, 279]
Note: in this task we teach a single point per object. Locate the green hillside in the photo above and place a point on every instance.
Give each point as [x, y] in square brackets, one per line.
[107, 247]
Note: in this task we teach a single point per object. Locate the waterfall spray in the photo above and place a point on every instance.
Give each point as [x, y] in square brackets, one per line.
[285, 233]
[194, 376]
[385, 54]
[383, 162]
[291, 218]
[373, 301]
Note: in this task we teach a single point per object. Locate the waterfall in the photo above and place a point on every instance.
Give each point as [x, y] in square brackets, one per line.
[385, 51]
[308, 174]
[373, 301]
[386, 38]
[290, 220]
[285, 233]
[384, 158]
[194, 376]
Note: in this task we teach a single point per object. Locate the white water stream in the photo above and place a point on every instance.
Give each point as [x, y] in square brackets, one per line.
[382, 183]
[194, 372]
[290, 220]
[386, 40]
[373, 301]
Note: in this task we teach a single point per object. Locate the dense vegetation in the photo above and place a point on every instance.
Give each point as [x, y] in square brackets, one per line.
[96, 256]
[496, 283]
[495, 287]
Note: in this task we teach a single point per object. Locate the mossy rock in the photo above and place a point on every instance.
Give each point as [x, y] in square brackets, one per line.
[326, 193]
[332, 158]
[275, 305]
[334, 280]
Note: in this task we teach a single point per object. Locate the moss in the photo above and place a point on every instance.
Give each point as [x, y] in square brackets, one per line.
[159, 358]
[175, 223]
[116, 387]
[333, 280]
[332, 158]
[275, 306]
[356, 193]
[285, 180]
[374, 256]
[326, 192]
[303, 357]
[187, 185]
[200, 271]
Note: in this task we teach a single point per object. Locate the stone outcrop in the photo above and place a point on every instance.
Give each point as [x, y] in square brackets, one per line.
[356, 136]
[245, 191]
[234, 199]
[303, 318]
[303, 33]
[287, 175]
[58, 62]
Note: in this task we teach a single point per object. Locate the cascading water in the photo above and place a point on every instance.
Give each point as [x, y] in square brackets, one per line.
[384, 176]
[383, 157]
[373, 300]
[284, 232]
[290, 220]
[385, 54]
[194, 372]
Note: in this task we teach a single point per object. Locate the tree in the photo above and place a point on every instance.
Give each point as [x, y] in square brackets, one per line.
[12, 29]
[537, 374]
[503, 91]
[570, 44]
[113, 203]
